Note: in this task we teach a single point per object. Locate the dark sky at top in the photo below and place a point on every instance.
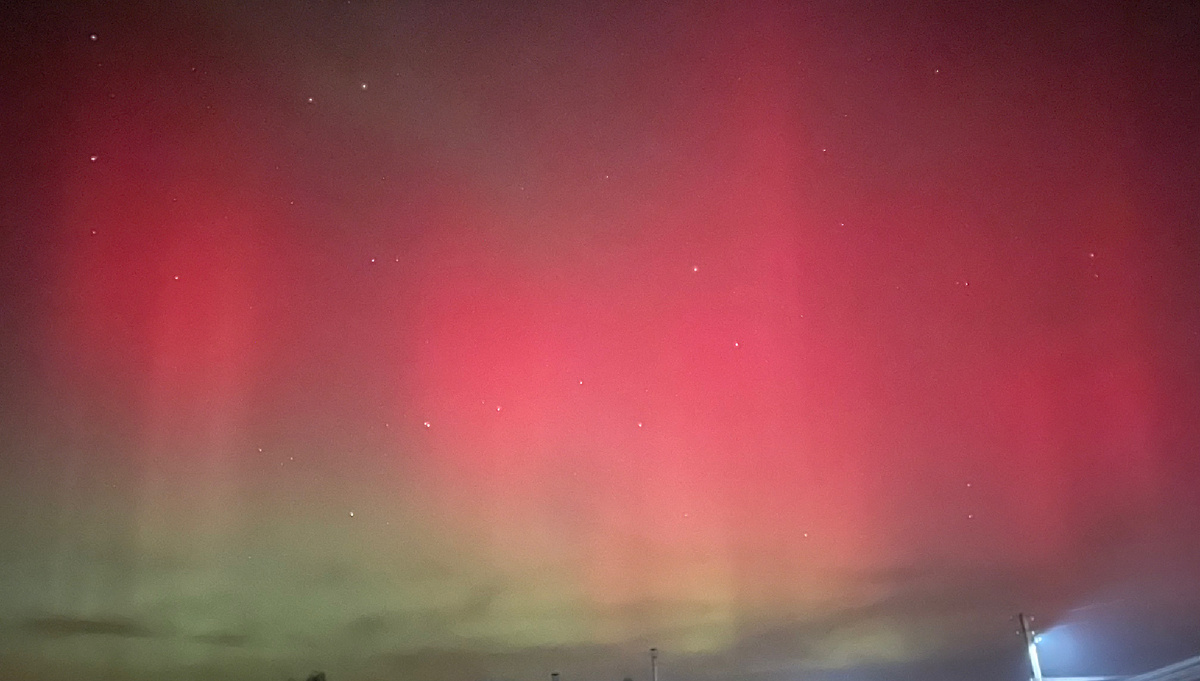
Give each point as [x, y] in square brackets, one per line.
[464, 341]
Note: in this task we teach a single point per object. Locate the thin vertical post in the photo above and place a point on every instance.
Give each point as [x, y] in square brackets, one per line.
[1031, 645]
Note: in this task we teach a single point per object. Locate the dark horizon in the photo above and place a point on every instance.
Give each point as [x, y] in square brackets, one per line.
[453, 341]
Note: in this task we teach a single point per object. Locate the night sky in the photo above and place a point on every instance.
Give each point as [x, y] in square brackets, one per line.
[466, 341]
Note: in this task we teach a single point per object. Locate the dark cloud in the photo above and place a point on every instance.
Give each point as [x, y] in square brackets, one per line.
[382, 629]
[418, 624]
[224, 639]
[62, 627]
[370, 626]
[480, 601]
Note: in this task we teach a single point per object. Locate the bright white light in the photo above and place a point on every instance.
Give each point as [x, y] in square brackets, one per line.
[1062, 644]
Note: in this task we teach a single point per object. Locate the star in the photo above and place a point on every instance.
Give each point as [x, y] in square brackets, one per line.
[364, 86]
[92, 158]
[94, 37]
[695, 268]
[426, 424]
[351, 514]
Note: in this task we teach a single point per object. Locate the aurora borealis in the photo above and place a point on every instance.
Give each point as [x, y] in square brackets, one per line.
[465, 341]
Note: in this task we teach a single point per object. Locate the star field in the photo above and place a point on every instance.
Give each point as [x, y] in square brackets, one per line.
[479, 341]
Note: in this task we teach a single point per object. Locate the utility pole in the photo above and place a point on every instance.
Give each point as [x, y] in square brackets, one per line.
[553, 676]
[1027, 634]
[654, 664]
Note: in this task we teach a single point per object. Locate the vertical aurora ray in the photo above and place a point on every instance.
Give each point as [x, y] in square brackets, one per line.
[789, 339]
